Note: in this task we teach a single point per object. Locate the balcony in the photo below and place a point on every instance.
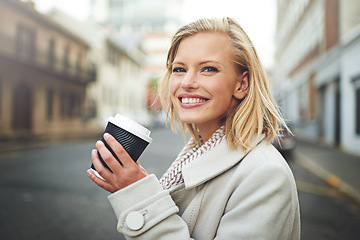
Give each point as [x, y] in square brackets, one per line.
[41, 60]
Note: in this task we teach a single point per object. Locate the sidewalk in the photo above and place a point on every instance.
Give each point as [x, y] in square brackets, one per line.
[341, 170]
[29, 143]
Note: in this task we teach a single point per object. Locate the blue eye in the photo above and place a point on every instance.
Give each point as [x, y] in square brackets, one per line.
[178, 69]
[210, 69]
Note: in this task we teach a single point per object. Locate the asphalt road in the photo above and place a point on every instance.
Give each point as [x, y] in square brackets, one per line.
[46, 194]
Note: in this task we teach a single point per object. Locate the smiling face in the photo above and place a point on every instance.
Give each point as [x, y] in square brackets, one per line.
[204, 84]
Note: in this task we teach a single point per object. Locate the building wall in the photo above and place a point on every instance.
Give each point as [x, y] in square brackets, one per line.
[42, 90]
[120, 84]
[317, 51]
[350, 76]
[349, 13]
[153, 22]
[328, 115]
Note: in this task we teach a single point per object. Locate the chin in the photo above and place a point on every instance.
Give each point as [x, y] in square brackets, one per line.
[189, 120]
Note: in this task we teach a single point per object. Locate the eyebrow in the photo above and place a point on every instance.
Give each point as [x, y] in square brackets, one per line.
[177, 62]
[209, 61]
[201, 63]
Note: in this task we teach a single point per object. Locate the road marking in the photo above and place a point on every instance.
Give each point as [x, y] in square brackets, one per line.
[316, 189]
[333, 180]
[324, 174]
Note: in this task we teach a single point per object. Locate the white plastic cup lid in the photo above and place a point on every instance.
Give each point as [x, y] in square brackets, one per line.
[131, 126]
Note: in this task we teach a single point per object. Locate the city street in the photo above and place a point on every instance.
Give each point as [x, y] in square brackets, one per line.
[46, 194]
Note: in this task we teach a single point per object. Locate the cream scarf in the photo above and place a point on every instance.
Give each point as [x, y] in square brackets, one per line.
[190, 152]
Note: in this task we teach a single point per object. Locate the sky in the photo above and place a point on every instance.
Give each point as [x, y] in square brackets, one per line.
[257, 17]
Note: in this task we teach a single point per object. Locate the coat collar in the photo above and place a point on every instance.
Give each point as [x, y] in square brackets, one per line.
[211, 164]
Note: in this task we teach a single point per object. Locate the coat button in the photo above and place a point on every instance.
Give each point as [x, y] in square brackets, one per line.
[135, 220]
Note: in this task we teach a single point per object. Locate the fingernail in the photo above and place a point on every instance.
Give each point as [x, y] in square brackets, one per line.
[93, 152]
[106, 136]
[89, 172]
[99, 142]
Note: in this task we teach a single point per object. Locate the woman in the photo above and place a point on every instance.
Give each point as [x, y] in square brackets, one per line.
[228, 182]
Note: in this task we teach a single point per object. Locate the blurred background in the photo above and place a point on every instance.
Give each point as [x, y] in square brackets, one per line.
[66, 66]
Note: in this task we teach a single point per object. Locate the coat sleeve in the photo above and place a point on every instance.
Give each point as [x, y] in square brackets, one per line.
[263, 206]
[145, 211]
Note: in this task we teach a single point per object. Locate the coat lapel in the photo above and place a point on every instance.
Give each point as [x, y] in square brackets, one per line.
[212, 163]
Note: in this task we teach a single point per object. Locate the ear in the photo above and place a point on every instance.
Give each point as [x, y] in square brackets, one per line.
[242, 86]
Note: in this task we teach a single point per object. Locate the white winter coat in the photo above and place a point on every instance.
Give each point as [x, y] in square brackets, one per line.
[226, 195]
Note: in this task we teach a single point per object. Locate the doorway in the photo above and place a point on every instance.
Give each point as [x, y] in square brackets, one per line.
[22, 109]
[337, 136]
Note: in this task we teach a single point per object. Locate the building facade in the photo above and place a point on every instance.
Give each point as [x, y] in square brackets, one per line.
[120, 85]
[44, 71]
[317, 70]
[152, 22]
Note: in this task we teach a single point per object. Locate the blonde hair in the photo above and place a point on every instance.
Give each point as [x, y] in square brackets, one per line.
[257, 114]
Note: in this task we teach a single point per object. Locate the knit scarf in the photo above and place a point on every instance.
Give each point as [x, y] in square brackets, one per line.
[191, 151]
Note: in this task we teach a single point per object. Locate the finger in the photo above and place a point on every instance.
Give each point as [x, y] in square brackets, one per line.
[103, 171]
[107, 156]
[141, 168]
[97, 174]
[98, 181]
[119, 150]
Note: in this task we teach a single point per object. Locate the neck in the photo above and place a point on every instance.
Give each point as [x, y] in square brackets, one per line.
[206, 132]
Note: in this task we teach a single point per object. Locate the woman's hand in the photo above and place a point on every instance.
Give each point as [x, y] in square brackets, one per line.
[121, 175]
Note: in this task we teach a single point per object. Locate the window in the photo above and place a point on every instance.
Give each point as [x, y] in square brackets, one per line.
[78, 64]
[112, 55]
[51, 56]
[304, 101]
[50, 104]
[71, 105]
[66, 64]
[92, 109]
[22, 107]
[64, 105]
[25, 43]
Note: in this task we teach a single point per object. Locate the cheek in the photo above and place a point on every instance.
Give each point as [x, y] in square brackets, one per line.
[223, 93]
[173, 86]
[221, 88]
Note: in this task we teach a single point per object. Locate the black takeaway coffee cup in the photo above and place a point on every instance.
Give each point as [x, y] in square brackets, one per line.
[131, 135]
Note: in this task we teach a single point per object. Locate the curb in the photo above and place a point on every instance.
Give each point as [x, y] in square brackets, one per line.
[327, 176]
[43, 143]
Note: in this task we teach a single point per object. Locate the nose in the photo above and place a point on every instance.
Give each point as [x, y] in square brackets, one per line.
[189, 81]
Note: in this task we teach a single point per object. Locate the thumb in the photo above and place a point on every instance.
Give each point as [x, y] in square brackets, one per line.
[141, 168]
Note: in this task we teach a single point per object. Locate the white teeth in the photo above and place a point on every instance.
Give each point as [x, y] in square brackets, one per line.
[192, 100]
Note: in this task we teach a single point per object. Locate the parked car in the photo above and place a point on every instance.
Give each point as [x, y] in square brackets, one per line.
[285, 143]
